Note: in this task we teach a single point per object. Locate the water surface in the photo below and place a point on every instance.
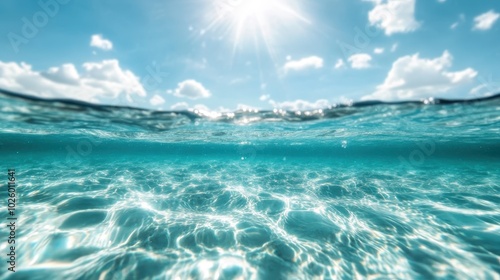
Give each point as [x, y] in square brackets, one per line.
[372, 190]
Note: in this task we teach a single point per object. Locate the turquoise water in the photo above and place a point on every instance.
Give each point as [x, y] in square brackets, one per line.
[379, 191]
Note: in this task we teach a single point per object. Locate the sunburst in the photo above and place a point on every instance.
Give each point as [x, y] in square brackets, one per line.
[247, 22]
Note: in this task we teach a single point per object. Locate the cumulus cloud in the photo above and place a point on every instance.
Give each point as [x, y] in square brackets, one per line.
[394, 16]
[156, 100]
[66, 74]
[110, 77]
[98, 81]
[99, 42]
[311, 62]
[300, 105]
[485, 21]
[378, 50]
[109, 80]
[412, 77]
[190, 89]
[360, 61]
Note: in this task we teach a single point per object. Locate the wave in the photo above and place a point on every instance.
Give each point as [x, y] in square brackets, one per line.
[379, 129]
[334, 111]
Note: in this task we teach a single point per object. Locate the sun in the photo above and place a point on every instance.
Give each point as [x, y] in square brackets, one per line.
[255, 21]
[255, 8]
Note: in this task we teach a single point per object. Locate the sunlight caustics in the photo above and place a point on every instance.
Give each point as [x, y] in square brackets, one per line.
[333, 195]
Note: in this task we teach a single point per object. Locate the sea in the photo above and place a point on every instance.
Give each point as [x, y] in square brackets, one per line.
[368, 190]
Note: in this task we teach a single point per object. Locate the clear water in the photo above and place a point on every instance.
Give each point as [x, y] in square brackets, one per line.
[379, 191]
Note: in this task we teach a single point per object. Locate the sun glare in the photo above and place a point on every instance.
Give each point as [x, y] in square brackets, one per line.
[261, 21]
[252, 8]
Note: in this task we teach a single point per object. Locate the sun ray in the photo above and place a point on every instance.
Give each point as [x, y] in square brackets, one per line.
[262, 21]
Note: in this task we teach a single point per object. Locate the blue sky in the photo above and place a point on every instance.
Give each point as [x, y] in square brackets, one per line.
[230, 54]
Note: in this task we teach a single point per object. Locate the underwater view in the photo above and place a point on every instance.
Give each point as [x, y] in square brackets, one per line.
[367, 191]
[250, 140]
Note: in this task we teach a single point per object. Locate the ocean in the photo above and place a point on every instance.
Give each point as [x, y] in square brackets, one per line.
[370, 190]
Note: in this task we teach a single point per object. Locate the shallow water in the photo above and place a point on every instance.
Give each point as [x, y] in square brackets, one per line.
[381, 191]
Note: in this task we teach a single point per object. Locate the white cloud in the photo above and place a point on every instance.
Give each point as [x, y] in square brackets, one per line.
[360, 61]
[180, 106]
[412, 77]
[108, 76]
[191, 89]
[454, 25]
[156, 100]
[485, 21]
[300, 105]
[98, 81]
[394, 16]
[99, 42]
[66, 74]
[340, 64]
[378, 50]
[264, 97]
[312, 62]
